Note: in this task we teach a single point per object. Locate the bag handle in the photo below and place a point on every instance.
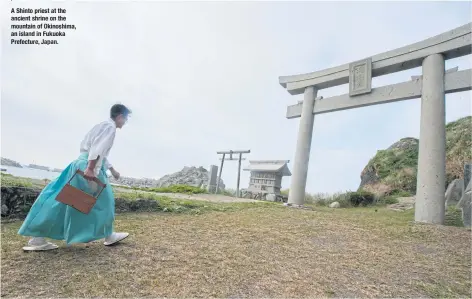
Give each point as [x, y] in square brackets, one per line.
[95, 179]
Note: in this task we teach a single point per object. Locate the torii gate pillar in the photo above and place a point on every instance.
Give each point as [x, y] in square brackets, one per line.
[302, 153]
[432, 86]
[430, 188]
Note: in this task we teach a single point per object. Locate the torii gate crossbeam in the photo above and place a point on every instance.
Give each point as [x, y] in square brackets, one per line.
[431, 87]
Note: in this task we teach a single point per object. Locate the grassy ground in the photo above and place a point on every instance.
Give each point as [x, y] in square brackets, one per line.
[173, 204]
[7, 180]
[251, 251]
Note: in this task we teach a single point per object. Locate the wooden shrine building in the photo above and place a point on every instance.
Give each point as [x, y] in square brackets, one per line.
[266, 176]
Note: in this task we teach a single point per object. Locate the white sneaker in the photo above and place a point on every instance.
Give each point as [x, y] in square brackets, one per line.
[115, 238]
[39, 244]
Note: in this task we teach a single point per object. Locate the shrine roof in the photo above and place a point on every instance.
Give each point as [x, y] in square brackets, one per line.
[269, 166]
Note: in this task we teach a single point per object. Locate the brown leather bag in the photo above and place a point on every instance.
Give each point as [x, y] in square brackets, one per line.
[77, 198]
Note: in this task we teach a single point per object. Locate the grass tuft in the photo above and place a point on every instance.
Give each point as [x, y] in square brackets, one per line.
[250, 251]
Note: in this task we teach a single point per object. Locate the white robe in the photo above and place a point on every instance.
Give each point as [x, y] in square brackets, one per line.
[98, 143]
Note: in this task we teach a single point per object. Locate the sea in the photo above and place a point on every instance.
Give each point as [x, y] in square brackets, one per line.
[31, 173]
[39, 174]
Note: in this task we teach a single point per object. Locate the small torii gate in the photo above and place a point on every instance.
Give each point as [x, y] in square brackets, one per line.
[231, 159]
[431, 87]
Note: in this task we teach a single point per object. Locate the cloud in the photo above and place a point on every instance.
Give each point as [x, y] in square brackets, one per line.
[203, 77]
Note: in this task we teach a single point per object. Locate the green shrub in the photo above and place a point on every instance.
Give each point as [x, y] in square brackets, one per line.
[321, 199]
[392, 197]
[359, 198]
[7, 180]
[177, 189]
[388, 200]
[400, 193]
[453, 217]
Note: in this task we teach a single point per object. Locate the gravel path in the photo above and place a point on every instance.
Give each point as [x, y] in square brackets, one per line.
[203, 197]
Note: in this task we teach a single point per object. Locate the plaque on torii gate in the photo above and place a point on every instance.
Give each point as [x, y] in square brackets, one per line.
[360, 77]
[431, 87]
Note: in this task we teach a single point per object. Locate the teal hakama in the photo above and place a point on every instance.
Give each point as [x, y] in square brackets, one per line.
[52, 219]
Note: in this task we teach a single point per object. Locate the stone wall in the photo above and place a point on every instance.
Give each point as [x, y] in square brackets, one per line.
[17, 201]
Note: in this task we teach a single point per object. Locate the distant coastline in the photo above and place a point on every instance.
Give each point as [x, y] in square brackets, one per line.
[35, 171]
[12, 163]
[34, 166]
[193, 176]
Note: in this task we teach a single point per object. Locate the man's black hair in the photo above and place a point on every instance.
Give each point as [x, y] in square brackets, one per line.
[118, 109]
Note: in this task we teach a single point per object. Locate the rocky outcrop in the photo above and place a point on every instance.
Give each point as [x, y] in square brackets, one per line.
[191, 176]
[394, 169]
[8, 162]
[132, 182]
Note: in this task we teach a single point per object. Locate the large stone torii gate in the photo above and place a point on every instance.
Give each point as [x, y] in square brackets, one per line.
[431, 87]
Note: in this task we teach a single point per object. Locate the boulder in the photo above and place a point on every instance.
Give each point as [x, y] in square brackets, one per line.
[465, 205]
[4, 210]
[335, 205]
[404, 203]
[454, 192]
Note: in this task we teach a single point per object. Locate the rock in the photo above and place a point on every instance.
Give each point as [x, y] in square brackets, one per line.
[466, 206]
[401, 207]
[404, 203]
[133, 182]
[454, 192]
[467, 173]
[4, 210]
[271, 197]
[395, 168]
[335, 204]
[17, 201]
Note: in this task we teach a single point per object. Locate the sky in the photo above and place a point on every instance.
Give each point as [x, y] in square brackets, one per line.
[202, 77]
